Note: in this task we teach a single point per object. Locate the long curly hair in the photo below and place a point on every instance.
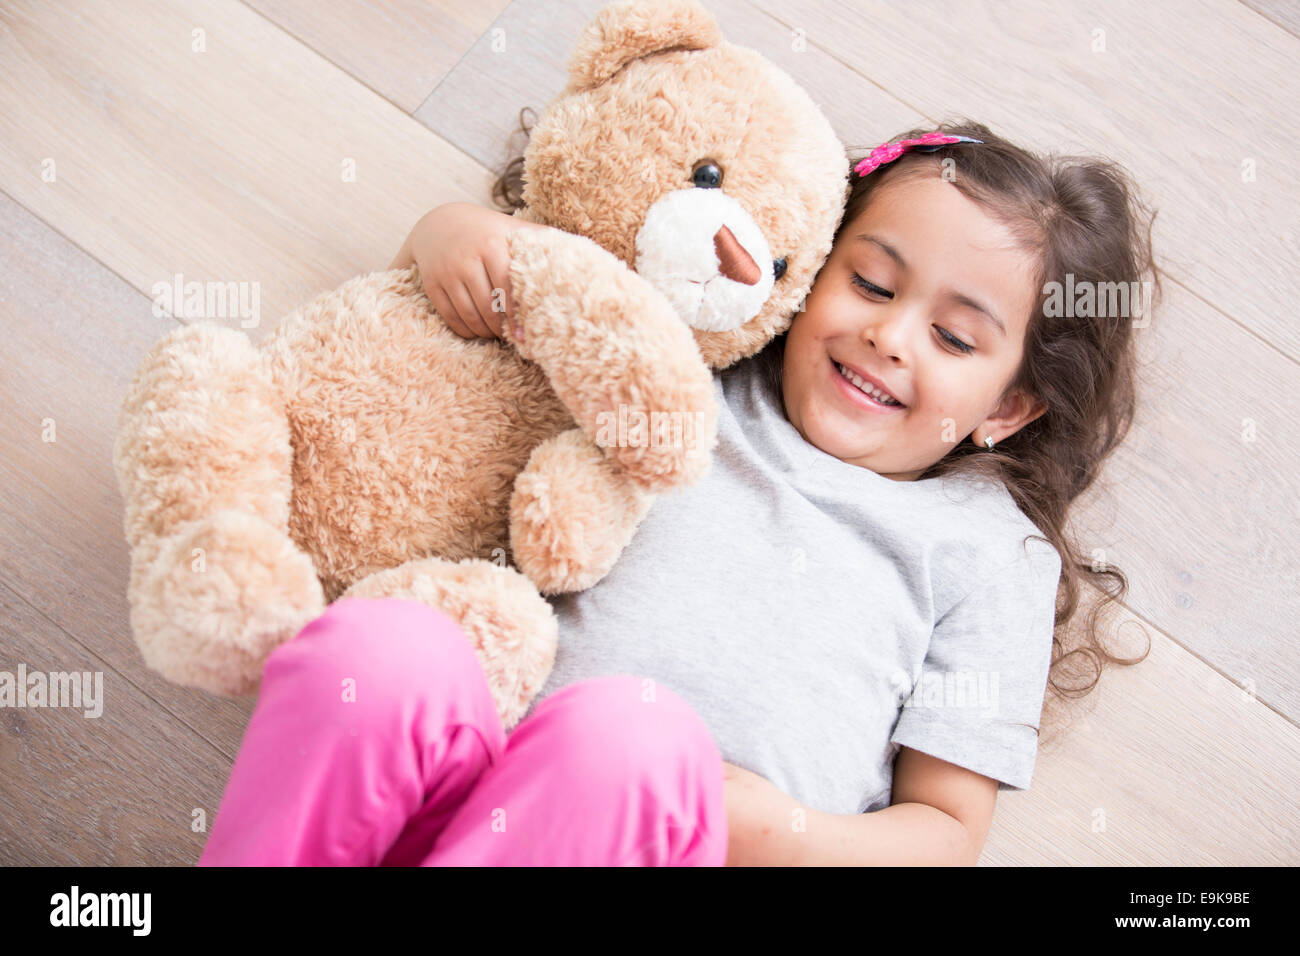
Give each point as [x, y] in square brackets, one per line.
[1087, 218]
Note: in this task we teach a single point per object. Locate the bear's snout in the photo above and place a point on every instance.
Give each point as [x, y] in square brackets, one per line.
[702, 250]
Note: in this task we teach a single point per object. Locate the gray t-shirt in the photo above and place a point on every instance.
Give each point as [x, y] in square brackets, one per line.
[796, 601]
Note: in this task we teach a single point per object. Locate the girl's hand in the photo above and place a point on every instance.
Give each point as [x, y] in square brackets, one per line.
[463, 256]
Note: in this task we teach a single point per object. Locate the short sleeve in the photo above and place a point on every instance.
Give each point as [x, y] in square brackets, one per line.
[979, 697]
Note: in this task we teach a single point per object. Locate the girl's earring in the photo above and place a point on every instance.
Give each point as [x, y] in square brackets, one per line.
[988, 442]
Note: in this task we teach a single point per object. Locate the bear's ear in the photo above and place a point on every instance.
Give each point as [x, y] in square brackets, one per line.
[623, 31]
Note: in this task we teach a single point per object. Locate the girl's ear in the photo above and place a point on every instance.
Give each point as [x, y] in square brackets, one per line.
[1016, 410]
[624, 31]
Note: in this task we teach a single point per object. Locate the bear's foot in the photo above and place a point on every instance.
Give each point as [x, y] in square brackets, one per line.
[210, 602]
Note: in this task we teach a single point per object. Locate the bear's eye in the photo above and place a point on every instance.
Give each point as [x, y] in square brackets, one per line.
[707, 175]
[778, 268]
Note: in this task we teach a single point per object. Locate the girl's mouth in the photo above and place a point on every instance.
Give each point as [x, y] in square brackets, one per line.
[860, 392]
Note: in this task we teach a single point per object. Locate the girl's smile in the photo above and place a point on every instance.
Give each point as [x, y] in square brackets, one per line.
[866, 390]
[913, 330]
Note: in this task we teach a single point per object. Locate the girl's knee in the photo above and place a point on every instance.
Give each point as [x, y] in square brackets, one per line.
[392, 644]
[625, 716]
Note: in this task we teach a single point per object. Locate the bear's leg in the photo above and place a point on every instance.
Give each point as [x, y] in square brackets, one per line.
[510, 626]
[210, 602]
[203, 459]
[572, 513]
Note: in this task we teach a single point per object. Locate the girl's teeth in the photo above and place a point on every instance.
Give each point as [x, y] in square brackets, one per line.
[871, 390]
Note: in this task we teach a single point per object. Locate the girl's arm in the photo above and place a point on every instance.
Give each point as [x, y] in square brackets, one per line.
[939, 816]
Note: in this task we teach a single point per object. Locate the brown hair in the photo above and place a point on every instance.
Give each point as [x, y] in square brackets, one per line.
[508, 190]
[1086, 217]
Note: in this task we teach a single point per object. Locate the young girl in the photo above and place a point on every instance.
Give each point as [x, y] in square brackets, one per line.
[831, 650]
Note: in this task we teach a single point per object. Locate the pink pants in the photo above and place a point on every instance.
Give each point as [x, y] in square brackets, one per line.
[375, 741]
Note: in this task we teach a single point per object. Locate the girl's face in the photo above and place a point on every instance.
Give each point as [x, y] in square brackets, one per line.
[919, 276]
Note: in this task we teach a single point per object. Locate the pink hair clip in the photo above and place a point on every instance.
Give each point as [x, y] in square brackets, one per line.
[888, 152]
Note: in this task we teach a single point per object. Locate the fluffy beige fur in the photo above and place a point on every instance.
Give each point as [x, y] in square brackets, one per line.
[364, 449]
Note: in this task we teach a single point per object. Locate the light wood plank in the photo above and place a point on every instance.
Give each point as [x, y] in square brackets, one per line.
[401, 49]
[1184, 94]
[74, 336]
[1202, 517]
[1166, 763]
[1285, 13]
[521, 64]
[225, 165]
[118, 789]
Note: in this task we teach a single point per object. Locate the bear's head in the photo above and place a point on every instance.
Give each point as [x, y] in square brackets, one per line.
[699, 163]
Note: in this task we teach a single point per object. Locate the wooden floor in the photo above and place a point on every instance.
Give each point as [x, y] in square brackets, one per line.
[141, 139]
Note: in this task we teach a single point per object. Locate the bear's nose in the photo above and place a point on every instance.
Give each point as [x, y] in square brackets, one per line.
[734, 262]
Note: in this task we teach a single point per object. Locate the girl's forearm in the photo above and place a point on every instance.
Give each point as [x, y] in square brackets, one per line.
[905, 834]
[767, 827]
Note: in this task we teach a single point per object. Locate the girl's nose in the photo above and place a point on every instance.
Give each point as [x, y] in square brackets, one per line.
[887, 333]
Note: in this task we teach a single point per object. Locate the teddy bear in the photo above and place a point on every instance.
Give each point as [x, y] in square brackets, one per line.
[363, 449]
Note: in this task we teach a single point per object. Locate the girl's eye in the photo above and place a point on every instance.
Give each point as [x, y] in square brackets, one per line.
[955, 342]
[871, 287]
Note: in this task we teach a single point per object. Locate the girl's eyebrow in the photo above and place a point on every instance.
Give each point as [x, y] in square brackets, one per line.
[889, 250]
[962, 299]
[959, 297]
